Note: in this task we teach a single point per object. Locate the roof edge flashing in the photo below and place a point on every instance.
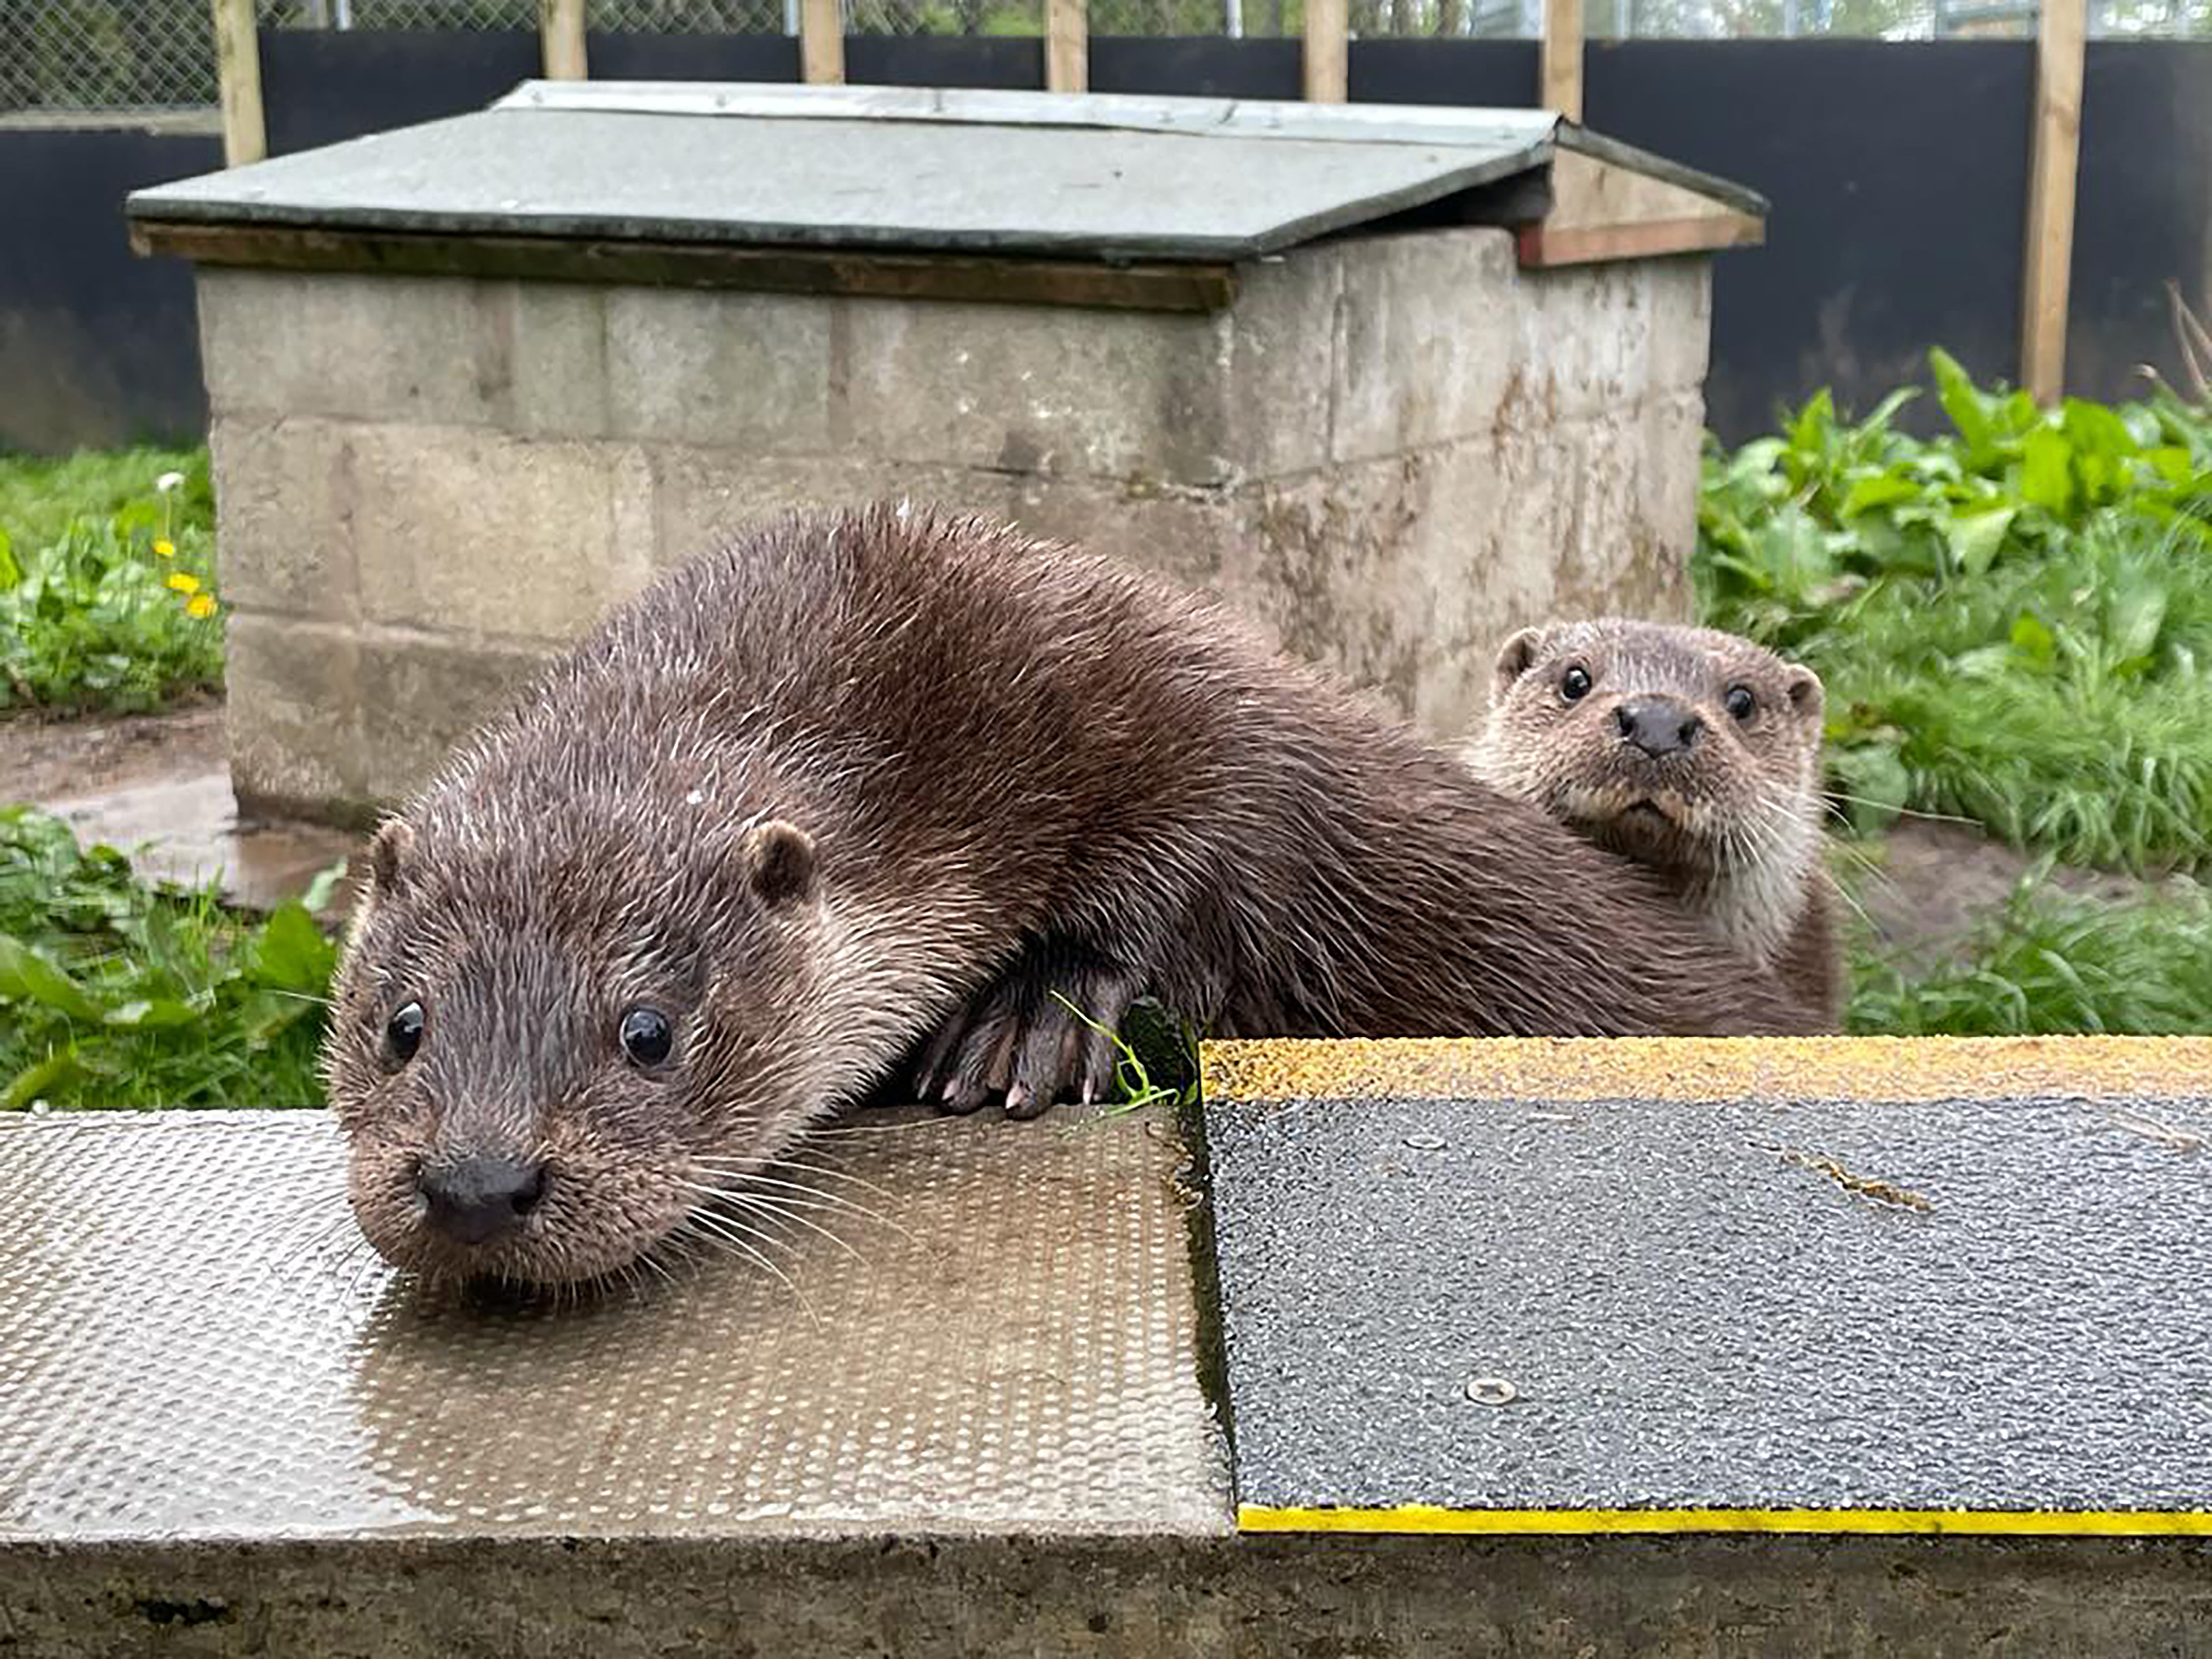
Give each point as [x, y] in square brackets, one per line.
[1430, 125]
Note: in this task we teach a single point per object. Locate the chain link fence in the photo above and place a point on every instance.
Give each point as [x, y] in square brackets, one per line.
[105, 55]
[1726, 19]
[147, 55]
[969, 17]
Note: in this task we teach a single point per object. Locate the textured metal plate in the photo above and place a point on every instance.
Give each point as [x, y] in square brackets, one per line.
[194, 1344]
[1113, 193]
[1758, 1306]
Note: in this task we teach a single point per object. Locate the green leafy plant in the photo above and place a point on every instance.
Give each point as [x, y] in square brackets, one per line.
[2013, 620]
[108, 581]
[2051, 962]
[114, 992]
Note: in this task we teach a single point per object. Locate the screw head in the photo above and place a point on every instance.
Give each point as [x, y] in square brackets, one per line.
[1491, 1391]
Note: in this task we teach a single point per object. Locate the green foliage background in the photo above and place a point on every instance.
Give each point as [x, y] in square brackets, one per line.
[88, 619]
[2014, 620]
[116, 994]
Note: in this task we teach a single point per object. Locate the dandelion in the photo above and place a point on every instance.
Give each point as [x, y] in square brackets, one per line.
[184, 583]
[200, 605]
[167, 487]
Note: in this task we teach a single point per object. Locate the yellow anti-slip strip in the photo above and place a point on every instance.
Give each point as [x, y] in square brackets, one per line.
[1900, 1069]
[1425, 1518]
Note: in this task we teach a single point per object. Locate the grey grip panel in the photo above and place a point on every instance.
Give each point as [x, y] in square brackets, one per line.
[1949, 1305]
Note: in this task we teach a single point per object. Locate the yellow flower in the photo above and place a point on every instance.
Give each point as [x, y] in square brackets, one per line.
[165, 548]
[200, 605]
[184, 583]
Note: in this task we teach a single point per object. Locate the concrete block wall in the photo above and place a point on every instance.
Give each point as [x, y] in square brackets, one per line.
[1389, 451]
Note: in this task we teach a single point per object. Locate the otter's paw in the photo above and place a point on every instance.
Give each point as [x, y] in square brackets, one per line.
[1021, 1039]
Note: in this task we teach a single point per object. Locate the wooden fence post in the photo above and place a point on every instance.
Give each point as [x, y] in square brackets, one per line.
[1326, 52]
[238, 80]
[822, 42]
[1563, 58]
[2053, 153]
[1067, 45]
[561, 40]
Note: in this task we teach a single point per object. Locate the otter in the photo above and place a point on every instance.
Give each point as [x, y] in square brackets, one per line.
[812, 794]
[1694, 752]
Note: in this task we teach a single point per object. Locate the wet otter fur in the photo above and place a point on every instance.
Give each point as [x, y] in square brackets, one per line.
[811, 794]
[1696, 753]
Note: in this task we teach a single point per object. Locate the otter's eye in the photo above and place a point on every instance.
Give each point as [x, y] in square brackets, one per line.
[402, 1033]
[1575, 683]
[646, 1038]
[1740, 703]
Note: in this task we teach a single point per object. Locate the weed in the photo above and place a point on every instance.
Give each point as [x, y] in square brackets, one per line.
[107, 581]
[2051, 962]
[1172, 1045]
[2013, 620]
[113, 992]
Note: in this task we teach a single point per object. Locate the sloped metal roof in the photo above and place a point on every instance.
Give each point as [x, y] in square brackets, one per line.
[896, 168]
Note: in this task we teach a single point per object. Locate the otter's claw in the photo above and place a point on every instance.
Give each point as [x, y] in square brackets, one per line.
[1020, 1041]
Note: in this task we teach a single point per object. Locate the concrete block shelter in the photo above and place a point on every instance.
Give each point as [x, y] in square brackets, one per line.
[1394, 381]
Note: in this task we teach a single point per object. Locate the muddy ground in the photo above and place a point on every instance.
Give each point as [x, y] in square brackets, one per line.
[47, 760]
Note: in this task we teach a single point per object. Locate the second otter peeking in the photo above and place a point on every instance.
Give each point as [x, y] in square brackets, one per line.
[1693, 752]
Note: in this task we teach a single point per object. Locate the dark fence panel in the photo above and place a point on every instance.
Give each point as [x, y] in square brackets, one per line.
[1199, 65]
[1002, 61]
[2143, 210]
[691, 57]
[321, 86]
[96, 347]
[1480, 73]
[1898, 172]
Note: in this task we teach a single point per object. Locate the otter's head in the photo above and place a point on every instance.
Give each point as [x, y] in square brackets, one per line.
[552, 1040]
[1692, 751]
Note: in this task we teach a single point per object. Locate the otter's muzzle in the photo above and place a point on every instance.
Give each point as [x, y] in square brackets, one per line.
[478, 1199]
[1657, 726]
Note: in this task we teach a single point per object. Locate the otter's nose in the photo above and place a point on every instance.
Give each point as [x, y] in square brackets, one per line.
[1657, 726]
[480, 1198]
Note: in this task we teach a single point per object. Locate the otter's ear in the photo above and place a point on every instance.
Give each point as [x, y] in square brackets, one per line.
[779, 862]
[1514, 658]
[387, 857]
[1807, 697]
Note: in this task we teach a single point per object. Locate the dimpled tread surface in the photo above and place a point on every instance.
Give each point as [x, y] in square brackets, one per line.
[1748, 1305]
[194, 1343]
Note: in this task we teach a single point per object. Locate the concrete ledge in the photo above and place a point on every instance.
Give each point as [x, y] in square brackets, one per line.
[228, 1431]
[919, 1597]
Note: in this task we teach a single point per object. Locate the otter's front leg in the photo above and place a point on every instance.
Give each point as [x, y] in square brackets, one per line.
[1021, 1038]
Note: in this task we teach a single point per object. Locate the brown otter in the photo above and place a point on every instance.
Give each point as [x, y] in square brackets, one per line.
[812, 794]
[1692, 751]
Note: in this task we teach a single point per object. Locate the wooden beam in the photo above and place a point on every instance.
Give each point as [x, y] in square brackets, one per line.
[1563, 58]
[1328, 72]
[237, 76]
[822, 42]
[1158, 286]
[2054, 151]
[561, 40]
[1598, 210]
[1067, 45]
[1541, 247]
